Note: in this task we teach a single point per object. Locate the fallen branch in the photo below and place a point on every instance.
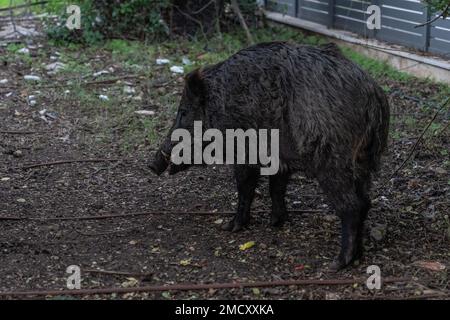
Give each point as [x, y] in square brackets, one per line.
[190, 287]
[136, 214]
[90, 83]
[20, 132]
[119, 273]
[54, 163]
[237, 11]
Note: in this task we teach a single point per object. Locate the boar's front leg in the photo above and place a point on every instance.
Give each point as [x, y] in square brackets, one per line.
[277, 188]
[246, 180]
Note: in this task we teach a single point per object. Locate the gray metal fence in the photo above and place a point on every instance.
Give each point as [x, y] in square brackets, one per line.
[398, 20]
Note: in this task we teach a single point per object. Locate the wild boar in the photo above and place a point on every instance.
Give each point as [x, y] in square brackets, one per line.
[332, 117]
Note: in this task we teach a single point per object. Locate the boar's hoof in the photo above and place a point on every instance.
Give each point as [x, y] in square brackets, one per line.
[232, 226]
[278, 221]
[342, 262]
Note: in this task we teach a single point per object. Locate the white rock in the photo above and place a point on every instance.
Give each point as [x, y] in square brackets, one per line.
[43, 112]
[177, 69]
[103, 97]
[55, 66]
[99, 73]
[30, 77]
[162, 61]
[129, 90]
[145, 112]
[24, 51]
[186, 61]
[9, 94]
[3, 81]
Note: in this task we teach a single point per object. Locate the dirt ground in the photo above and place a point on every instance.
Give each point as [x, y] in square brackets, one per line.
[408, 229]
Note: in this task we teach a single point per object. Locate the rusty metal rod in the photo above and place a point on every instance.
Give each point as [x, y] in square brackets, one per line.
[191, 287]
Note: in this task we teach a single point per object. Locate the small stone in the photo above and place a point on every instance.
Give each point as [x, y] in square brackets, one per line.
[4, 81]
[32, 78]
[24, 51]
[145, 112]
[53, 68]
[17, 154]
[378, 232]
[21, 200]
[103, 97]
[177, 69]
[129, 90]
[100, 73]
[162, 61]
[186, 61]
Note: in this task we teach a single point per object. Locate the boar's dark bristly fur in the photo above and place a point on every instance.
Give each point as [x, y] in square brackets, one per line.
[332, 116]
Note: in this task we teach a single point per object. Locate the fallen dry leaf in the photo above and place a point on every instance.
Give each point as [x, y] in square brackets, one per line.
[246, 245]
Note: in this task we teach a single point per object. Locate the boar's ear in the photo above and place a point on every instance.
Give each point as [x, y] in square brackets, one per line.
[195, 85]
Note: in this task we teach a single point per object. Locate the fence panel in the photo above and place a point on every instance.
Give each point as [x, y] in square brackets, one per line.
[440, 37]
[314, 10]
[399, 19]
[352, 16]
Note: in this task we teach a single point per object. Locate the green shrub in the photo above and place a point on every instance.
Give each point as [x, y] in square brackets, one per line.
[100, 19]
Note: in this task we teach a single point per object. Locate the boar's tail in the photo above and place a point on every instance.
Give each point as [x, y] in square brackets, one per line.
[369, 149]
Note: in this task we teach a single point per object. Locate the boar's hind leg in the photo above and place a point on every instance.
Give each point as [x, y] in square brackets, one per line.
[277, 187]
[352, 204]
[246, 180]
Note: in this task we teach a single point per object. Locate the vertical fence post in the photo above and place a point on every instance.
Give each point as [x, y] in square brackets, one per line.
[331, 13]
[426, 29]
[297, 8]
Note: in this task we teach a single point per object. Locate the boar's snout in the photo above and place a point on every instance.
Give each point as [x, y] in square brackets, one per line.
[160, 163]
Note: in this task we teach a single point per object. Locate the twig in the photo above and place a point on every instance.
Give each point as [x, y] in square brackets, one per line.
[441, 15]
[90, 83]
[194, 20]
[203, 8]
[189, 287]
[54, 163]
[136, 214]
[413, 149]
[237, 11]
[120, 273]
[20, 132]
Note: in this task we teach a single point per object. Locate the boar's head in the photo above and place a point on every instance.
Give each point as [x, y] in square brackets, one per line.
[191, 108]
